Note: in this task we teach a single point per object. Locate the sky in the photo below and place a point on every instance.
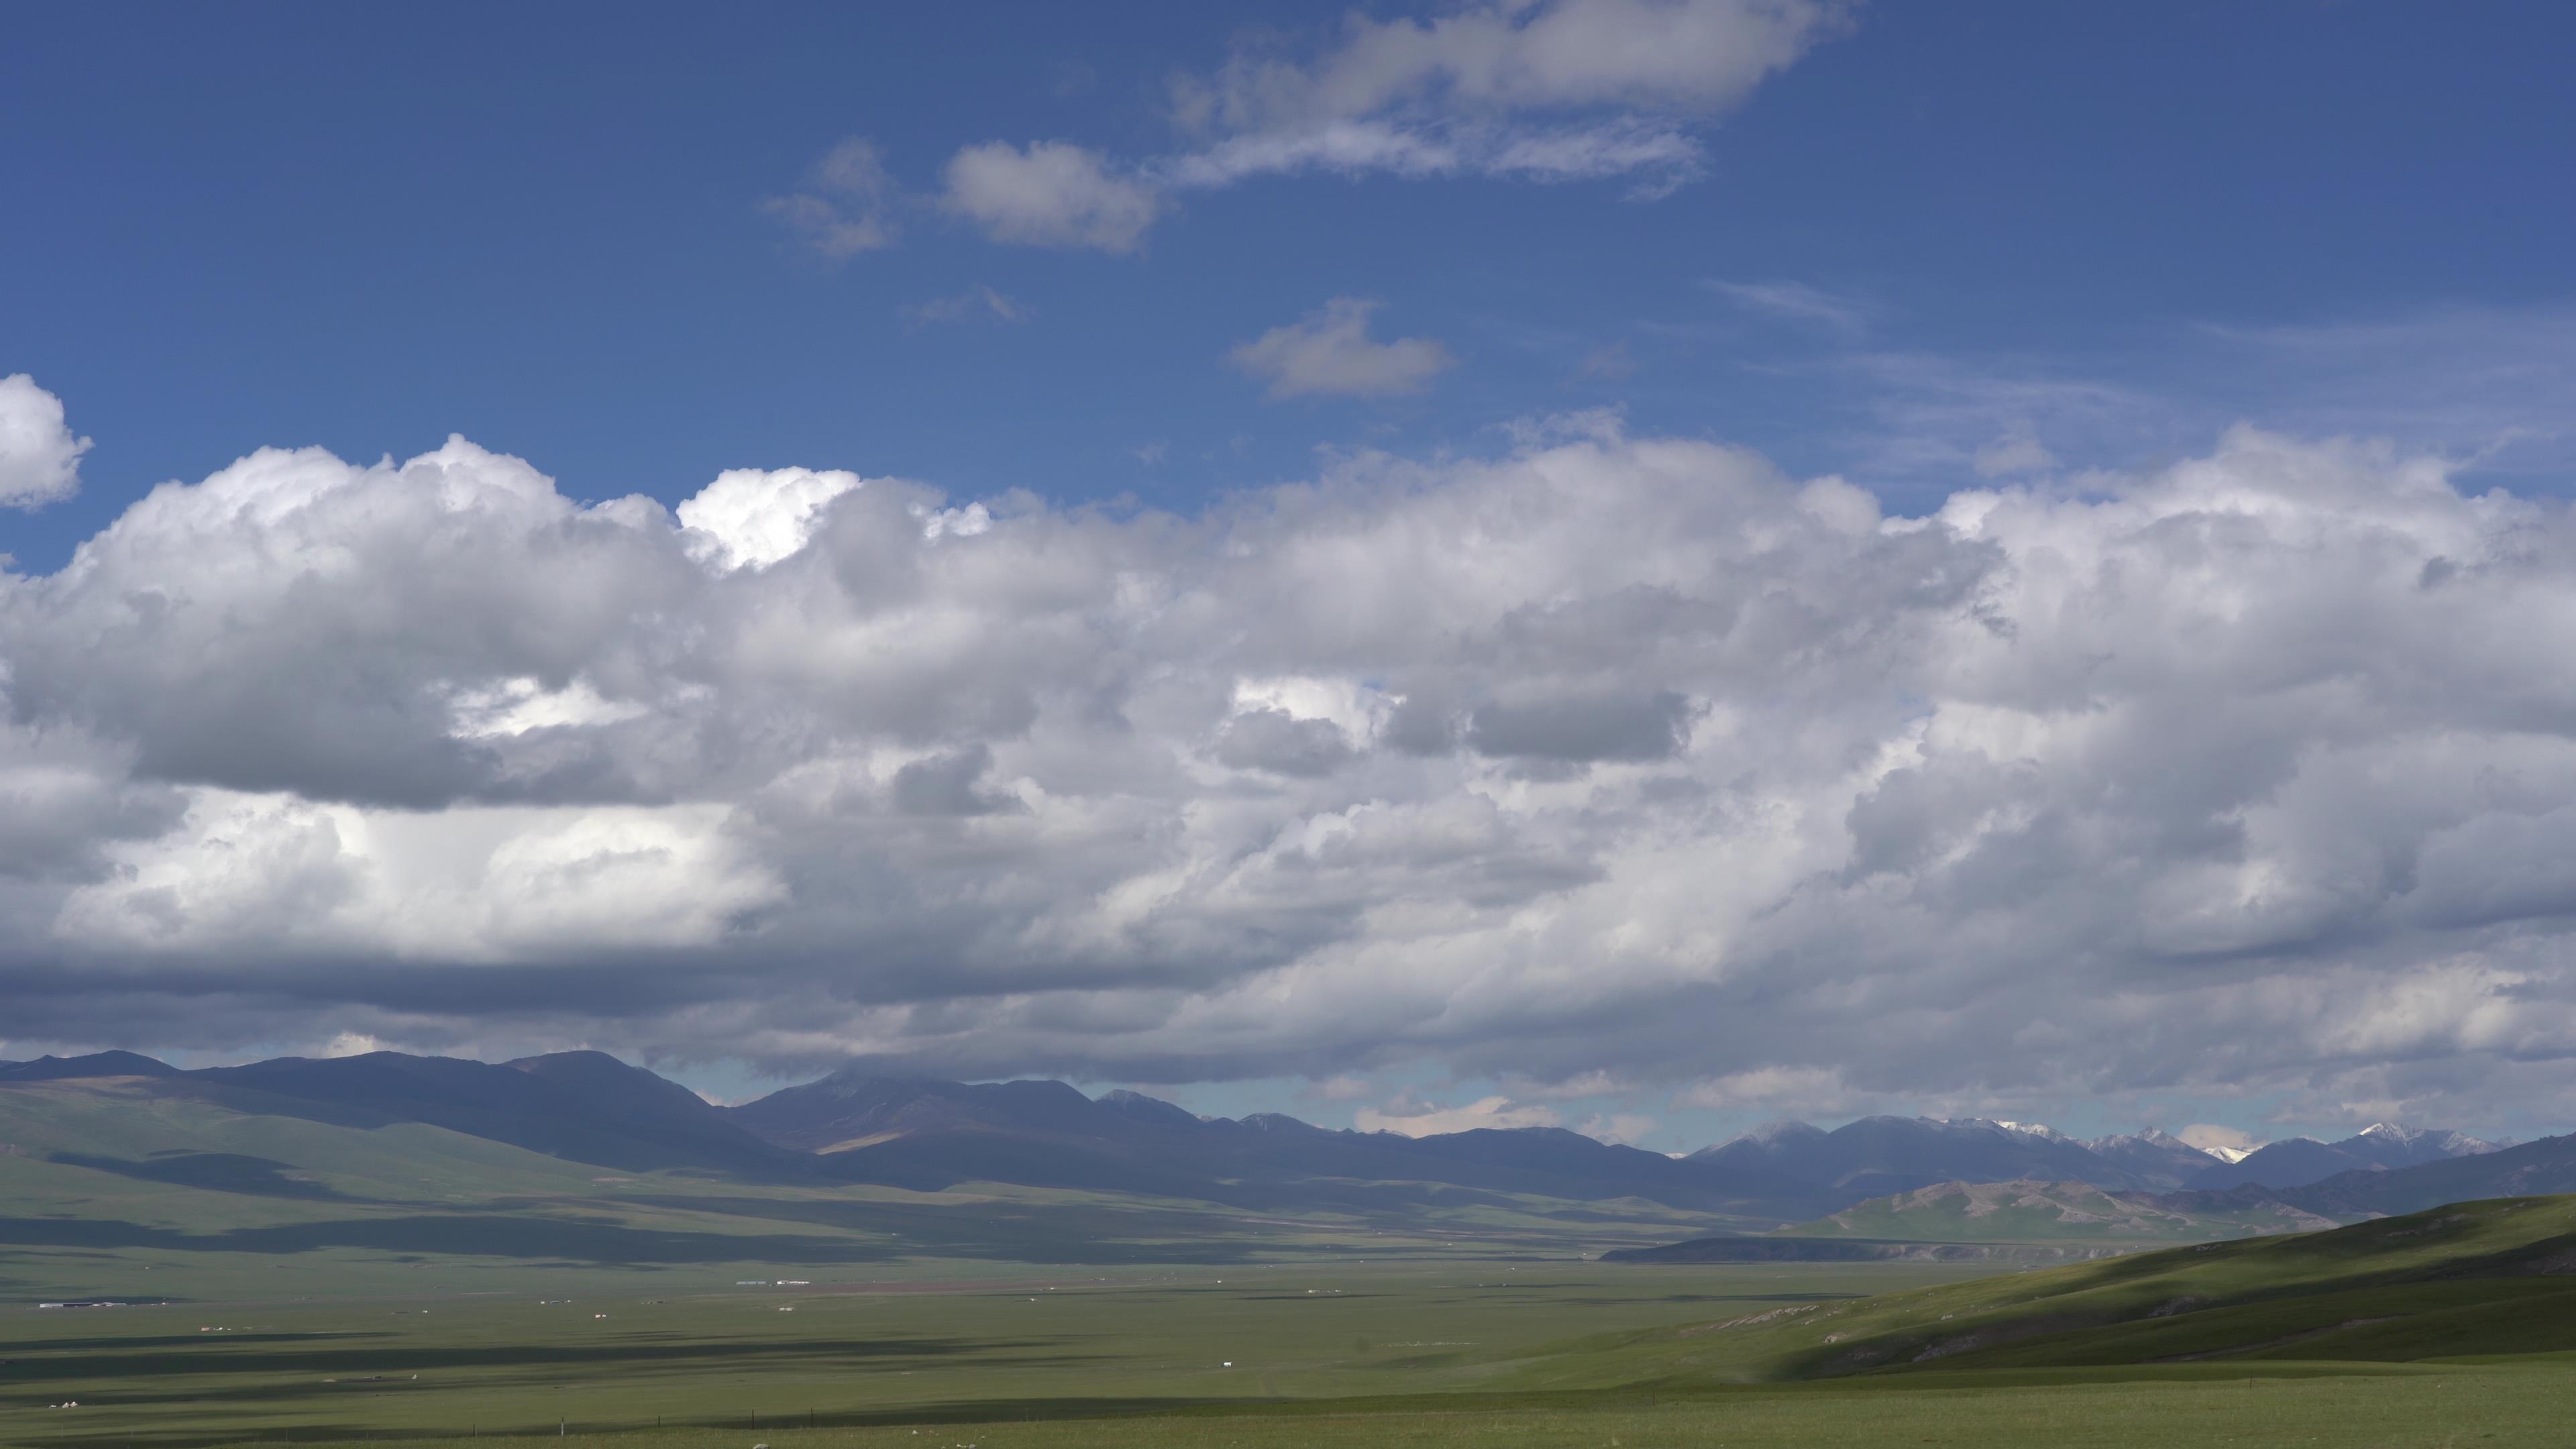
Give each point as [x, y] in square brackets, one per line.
[1642, 565]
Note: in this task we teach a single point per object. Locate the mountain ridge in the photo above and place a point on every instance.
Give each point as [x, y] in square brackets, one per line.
[928, 1135]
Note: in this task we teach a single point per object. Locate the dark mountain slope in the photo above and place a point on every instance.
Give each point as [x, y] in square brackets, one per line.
[1045, 1134]
[2544, 1166]
[584, 1106]
[2157, 1159]
[1876, 1156]
[96, 1064]
[2303, 1160]
[845, 1108]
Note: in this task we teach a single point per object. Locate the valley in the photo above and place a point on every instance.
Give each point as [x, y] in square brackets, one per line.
[332, 1250]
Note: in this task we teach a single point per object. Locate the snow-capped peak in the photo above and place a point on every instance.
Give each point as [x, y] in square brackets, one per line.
[1774, 1133]
[2039, 1130]
[2229, 1155]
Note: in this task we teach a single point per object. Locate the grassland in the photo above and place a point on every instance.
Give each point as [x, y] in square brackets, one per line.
[2051, 1212]
[291, 1280]
[908, 1346]
[93, 1173]
[2449, 1328]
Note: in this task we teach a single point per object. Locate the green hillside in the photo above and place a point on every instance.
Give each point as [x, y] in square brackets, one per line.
[129, 1187]
[2051, 1212]
[2467, 1280]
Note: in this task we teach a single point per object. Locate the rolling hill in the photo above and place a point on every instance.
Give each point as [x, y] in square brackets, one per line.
[851, 1131]
[934, 1135]
[2031, 1212]
[2026, 1221]
[2466, 1279]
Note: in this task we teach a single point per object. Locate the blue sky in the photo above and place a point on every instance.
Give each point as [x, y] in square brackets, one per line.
[368, 227]
[1927, 249]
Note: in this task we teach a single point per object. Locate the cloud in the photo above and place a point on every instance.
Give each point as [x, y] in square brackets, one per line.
[1647, 727]
[1596, 758]
[2206, 1135]
[39, 456]
[1797, 302]
[753, 518]
[1329, 352]
[1628, 1128]
[977, 301]
[1050, 193]
[1531, 90]
[847, 205]
[1409, 1118]
[1611, 362]
[1666, 157]
[1463, 92]
[1341, 1089]
[2017, 451]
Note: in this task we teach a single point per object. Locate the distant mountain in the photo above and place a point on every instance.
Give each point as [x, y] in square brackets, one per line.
[589, 1107]
[1876, 1156]
[96, 1064]
[584, 1106]
[2155, 1158]
[2303, 1160]
[2533, 1169]
[930, 1135]
[849, 1110]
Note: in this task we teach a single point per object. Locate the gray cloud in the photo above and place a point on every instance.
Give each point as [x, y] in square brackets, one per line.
[1330, 352]
[1582, 730]
[1558, 90]
[848, 204]
[1049, 193]
[1608, 759]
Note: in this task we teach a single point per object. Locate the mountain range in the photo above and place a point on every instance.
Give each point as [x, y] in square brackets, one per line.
[2303, 1160]
[851, 1127]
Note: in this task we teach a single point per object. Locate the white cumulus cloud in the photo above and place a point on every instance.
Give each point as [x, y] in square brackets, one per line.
[751, 517]
[1597, 758]
[39, 453]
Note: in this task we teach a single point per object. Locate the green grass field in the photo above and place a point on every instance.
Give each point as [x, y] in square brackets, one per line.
[1133, 1363]
[291, 1281]
[910, 1346]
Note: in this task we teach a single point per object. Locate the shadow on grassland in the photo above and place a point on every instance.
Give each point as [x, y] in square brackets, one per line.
[212, 1172]
[352, 1360]
[1008, 1233]
[337, 1371]
[457, 1234]
[1211, 1411]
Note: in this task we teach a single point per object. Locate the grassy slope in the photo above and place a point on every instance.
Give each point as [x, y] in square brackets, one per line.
[2044, 1212]
[2465, 1280]
[321, 1252]
[688, 1346]
[99, 1166]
